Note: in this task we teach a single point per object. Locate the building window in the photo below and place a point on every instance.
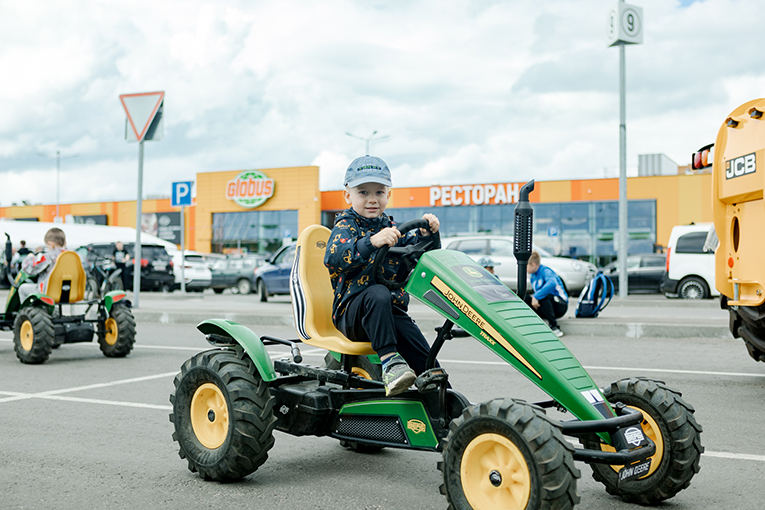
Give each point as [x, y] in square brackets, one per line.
[253, 231]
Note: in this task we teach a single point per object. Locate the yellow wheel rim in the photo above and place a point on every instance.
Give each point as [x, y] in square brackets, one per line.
[209, 416]
[361, 373]
[27, 334]
[495, 474]
[112, 331]
[653, 432]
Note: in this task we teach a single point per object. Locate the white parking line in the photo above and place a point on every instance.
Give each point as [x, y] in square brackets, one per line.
[735, 456]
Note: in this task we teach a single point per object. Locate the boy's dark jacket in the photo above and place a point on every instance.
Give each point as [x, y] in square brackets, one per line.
[350, 255]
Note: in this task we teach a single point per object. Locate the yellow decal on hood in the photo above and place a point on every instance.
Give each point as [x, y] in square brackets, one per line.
[491, 334]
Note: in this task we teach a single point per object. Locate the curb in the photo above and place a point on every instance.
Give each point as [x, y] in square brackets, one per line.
[573, 327]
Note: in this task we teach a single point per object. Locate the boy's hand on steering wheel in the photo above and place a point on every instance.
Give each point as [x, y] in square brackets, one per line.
[434, 224]
[386, 237]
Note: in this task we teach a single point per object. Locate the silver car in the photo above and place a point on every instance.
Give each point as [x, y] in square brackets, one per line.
[574, 273]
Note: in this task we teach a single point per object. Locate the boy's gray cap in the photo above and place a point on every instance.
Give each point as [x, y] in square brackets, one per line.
[367, 169]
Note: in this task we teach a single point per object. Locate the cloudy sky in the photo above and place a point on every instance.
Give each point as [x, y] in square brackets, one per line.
[464, 91]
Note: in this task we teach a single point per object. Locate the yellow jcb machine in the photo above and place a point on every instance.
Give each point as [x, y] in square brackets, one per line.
[738, 166]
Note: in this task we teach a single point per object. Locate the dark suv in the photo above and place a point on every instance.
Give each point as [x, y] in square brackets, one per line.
[156, 264]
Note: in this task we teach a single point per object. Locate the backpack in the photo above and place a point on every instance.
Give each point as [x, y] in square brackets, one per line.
[595, 296]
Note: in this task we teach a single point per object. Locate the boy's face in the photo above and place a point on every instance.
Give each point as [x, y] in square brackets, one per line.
[531, 268]
[369, 199]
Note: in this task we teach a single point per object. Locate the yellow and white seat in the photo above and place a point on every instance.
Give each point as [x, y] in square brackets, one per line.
[312, 296]
[66, 283]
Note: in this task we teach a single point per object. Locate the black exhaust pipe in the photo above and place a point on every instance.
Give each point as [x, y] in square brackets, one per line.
[524, 225]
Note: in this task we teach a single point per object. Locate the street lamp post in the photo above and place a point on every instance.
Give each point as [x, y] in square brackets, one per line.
[367, 140]
[58, 159]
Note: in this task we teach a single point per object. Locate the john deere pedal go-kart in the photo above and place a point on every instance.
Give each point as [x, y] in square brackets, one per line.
[639, 436]
[41, 323]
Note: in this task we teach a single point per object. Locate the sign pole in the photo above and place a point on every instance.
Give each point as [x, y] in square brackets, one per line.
[138, 217]
[623, 221]
[183, 249]
[625, 26]
[144, 122]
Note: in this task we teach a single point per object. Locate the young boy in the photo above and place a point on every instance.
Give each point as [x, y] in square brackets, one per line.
[549, 300]
[362, 310]
[41, 264]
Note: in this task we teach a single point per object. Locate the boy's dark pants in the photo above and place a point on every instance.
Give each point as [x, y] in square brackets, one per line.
[550, 308]
[371, 317]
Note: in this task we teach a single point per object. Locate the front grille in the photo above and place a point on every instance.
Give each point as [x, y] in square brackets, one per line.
[385, 429]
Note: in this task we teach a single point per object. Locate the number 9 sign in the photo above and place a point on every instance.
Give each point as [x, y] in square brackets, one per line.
[625, 24]
[631, 22]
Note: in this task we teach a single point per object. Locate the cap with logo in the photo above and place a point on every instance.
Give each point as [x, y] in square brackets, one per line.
[367, 169]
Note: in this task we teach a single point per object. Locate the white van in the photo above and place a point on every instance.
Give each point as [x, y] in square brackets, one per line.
[690, 266]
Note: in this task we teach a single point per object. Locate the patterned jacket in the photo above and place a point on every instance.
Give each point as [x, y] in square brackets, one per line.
[350, 255]
[41, 265]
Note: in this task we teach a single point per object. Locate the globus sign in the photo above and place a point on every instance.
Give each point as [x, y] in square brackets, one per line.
[250, 189]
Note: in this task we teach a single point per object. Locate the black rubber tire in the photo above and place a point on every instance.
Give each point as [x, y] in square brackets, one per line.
[91, 290]
[116, 285]
[365, 368]
[42, 335]
[122, 318]
[549, 461]
[680, 434]
[692, 288]
[218, 291]
[249, 406]
[262, 291]
[244, 285]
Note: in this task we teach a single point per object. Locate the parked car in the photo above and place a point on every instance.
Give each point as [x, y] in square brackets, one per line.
[574, 273]
[273, 277]
[197, 274]
[235, 273]
[156, 264]
[644, 272]
[690, 266]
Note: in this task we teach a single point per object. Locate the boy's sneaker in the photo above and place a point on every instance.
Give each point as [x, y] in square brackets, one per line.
[397, 376]
[557, 332]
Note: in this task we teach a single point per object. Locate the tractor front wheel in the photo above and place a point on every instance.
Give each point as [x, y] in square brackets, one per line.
[506, 454]
[33, 335]
[669, 422]
[118, 333]
[223, 415]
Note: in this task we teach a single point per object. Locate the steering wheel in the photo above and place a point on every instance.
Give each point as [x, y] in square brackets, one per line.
[407, 255]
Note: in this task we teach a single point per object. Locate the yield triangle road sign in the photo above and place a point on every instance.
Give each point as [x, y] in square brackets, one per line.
[141, 109]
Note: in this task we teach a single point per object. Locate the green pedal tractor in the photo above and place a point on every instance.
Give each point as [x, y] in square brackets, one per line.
[639, 436]
[45, 321]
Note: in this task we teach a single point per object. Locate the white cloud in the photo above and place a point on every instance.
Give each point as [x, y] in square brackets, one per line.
[465, 91]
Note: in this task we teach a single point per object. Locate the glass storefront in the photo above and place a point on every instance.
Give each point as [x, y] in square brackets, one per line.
[583, 230]
[253, 231]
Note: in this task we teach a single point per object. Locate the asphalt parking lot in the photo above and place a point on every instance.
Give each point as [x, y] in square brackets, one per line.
[84, 431]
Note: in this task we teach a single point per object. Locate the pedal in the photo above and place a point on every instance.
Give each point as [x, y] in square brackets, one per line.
[431, 380]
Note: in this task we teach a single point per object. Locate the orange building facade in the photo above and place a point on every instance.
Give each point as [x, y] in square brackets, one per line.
[256, 210]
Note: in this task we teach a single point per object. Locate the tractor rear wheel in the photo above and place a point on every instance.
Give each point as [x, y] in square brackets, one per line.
[119, 333]
[33, 335]
[506, 454]
[669, 422]
[223, 415]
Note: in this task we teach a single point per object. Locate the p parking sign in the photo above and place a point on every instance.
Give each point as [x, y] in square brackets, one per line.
[181, 195]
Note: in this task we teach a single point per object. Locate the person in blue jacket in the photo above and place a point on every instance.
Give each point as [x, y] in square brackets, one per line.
[549, 300]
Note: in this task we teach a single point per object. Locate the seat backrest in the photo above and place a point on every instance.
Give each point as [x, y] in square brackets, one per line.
[66, 283]
[312, 296]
